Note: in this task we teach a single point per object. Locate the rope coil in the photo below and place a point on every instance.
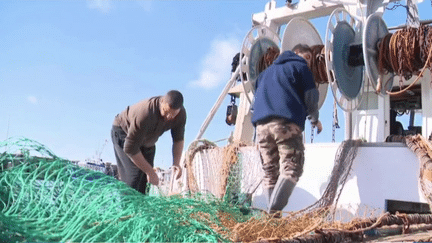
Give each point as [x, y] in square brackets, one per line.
[318, 65]
[406, 52]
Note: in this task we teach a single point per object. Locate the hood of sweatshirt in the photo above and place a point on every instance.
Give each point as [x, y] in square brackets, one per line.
[289, 56]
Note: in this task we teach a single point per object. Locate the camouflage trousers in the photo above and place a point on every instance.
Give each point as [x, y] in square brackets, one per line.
[282, 150]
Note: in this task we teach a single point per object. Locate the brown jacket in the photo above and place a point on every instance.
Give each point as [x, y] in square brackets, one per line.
[143, 124]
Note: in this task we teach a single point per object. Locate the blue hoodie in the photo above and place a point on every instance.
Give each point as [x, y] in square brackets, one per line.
[286, 89]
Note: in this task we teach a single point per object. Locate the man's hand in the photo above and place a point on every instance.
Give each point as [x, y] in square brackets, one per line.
[153, 178]
[318, 125]
[177, 152]
[177, 171]
[139, 160]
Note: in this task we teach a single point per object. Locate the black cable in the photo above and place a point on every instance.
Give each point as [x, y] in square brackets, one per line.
[396, 5]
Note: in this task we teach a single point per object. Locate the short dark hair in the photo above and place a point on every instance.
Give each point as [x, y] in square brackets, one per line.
[302, 48]
[174, 99]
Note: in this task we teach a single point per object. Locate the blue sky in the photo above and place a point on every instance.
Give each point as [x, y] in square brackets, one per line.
[68, 67]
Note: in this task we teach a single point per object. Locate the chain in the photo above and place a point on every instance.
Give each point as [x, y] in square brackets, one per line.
[400, 61]
[312, 133]
[335, 122]
[333, 133]
[400, 50]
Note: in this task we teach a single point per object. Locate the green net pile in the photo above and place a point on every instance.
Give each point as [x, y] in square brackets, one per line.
[46, 198]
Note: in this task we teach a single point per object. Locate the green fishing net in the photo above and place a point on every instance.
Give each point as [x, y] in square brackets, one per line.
[50, 199]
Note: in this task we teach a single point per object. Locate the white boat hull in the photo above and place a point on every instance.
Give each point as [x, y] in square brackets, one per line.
[380, 171]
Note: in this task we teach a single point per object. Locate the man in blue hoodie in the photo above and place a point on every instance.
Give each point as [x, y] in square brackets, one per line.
[285, 95]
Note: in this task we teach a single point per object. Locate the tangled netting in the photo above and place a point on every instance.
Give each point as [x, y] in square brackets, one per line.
[422, 148]
[310, 218]
[406, 52]
[227, 172]
[316, 223]
[205, 154]
[46, 198]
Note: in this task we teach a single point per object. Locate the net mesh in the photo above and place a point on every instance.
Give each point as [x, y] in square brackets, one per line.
[236, 169]
[232, 173]
[46, 198]
[241, 168]
[422, 148]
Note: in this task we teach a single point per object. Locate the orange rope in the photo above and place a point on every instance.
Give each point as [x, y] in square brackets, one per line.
[418, 77]
[406, 52]
[318, 65]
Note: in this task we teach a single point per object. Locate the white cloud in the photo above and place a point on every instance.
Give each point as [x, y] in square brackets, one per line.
[103, 6]
[32, 99]
[216, 65]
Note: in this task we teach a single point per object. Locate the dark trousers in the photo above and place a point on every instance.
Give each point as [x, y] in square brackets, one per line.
[128, 171]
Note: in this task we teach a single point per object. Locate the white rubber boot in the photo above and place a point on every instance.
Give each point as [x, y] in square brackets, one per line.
[268, 193]
[281, 193]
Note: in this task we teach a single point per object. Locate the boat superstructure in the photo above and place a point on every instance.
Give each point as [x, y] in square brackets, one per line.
[379, 167]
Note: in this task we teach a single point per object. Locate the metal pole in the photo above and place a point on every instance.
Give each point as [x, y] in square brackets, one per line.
[424, 22]
[412, 116]
[348, 126]
[218, 103]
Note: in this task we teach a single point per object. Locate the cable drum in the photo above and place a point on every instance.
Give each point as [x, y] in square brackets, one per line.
[375, 34]
[306, 33]
[406, 52]
[346, 80]
[255, 45]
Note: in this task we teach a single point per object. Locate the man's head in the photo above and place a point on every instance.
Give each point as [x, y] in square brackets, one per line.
[171, 104]
[304, 51]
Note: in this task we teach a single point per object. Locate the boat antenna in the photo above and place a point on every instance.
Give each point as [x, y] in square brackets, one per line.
[7, 131]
